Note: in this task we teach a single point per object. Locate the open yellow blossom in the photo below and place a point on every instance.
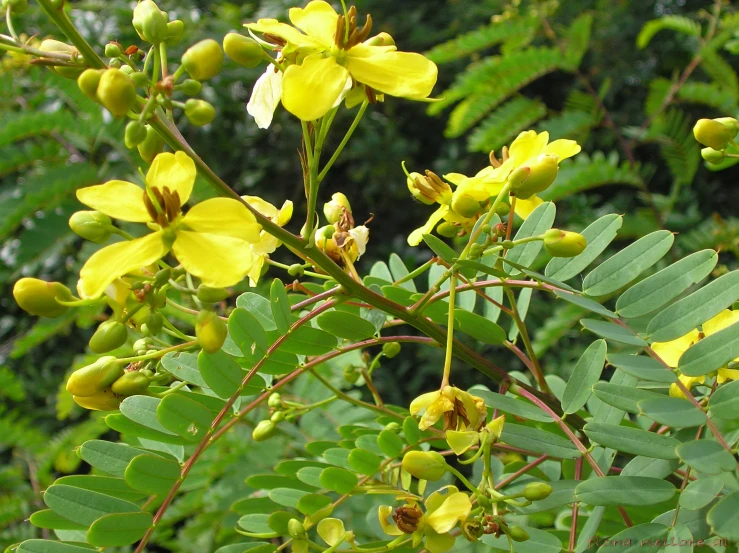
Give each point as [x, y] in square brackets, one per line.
[331, 53]
[672, 351]
[267, 243]
[461, 410]
[444, 509]
[213, 241]
[461, 440]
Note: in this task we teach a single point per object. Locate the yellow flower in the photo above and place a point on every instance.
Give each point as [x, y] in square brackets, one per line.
[266, 243]
[212, 241]
[461, 440]
[443, 512]
[461, 410]
[328, 60]
[672, 351]
[265, 96]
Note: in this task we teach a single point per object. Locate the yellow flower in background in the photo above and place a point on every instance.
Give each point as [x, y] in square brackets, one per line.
[672, 351]
[444, 509]
[331, 53]
[213, 241]
[266, 243]
[461, 410]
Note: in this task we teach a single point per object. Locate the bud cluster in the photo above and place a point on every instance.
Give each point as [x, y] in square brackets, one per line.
[716, 135]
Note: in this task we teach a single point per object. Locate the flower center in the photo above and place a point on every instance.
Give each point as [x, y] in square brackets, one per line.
[407, 518]
[348, 34]
[163, 205]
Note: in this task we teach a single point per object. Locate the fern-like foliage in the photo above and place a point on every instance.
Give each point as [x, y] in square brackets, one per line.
[721, 72]
[505, 123]
[577, 39]
[677, 23]
[716, 232]
[708, 94]
[673, 132]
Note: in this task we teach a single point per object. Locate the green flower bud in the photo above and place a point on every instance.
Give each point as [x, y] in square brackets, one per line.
[115, 63]
[274, 401]
[277, 417]
[112, 50]
[263, 431]
[534, 177]
[88, 82]
[93, 379]
[199, 112]
[516, 533]
[350, 374]
[116, 92]
[51, 45]
[334, 209]
[150, 22]
[135, 134]
[391, 349]
[536, 491]
[130, 384]
[127, 70]
[154, 322]
[562, 243]
[38, 297]
[502, 210]
[203, 60]
[15, 6]
[191, 87]
[162, 277]
[207, 294]
[476, 250]
[151, 146]
[104, 400]
[243, 50]
[108, 336]
[91, 225]
[295, 529]
[713, 156]
[447, 230]
[140, 79]
[425, 465]
[140, 346]
[175, 29]
[465, 205]
[296, 270]
[392, 427]
[211, 331]
[715, 133]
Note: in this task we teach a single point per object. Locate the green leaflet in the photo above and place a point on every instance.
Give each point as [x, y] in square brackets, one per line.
[185, 417]
[152, 474]
[280, 305]
[539, 221]
[706, 456]
[624, 490]
[84, 506]
[724, 402]
[538, 441]
[399, 271]
[583, 377]
[346, 325]
[711, 353]
[479, 327]
[632, 440]
[48, 546]
[511, 405]
[613, 332]
[700, 493]
[642, 367]
[338, 480]
[724, 517]
[671, 411]
[117, 530]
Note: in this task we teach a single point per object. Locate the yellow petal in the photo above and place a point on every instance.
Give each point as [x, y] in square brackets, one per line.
[117, 199]
[422, 402]
[217, 260]
[562, 148]
[255, 272]
[310, 90]
[265, 96]
[116, 260]
[262, 206]
[460, 442]
[436, 499]
[175, 171]
[670, 352]
[416, 236]
[523, 208]
[456, 507]
[435, 411]
[528, 144]
[724, 319]
[403, 74]
[318, 20]
[727, 374]
[455, 178]
[438, 543]
[294, 37]
[383, 512]
[286, 213]
[688, 382]
[225, 217]
[495, 426]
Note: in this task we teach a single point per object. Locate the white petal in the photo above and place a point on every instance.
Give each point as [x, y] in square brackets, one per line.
[265, 96]
[361, 237]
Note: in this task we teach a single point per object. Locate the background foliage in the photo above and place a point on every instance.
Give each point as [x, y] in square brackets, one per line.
[626, 79]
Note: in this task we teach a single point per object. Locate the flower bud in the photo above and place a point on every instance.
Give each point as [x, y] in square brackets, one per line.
[51, 45]
[199, 112]
[140, 79]
[115, 63]
[350, 374]
[154, 323]
[429, 189]
[175, 29]
[536, 491]
[391, 349]
[207, 294]
[715, 133]
[465, 205]
[162, 276]
[476, 250]
[135, 134]
[15, 6]
[295, 529]
[128, 71]
[274, 401]
[88, 82]
[116, 92]
[150, 22]
[380, 39]
[277, 417]
[562, 243]
[472, 530]
[263, 431]
[447, 230]
[91, 225]
[38, 297]
[516, 533]
[130, 384]
[425, 465]
[296, 270]
[191, 87]
[243, 50]
[211, 331]
[140, 346]
[93, 379]
[713, 156]
[502, 210]
[151, 146]
[534, 177]
[105, 400]
[112, 49]
[203, 60]
[334, 209]
[108, 336]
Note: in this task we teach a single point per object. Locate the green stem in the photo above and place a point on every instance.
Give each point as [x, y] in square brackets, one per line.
[449, 333]
[344, 141]
[9, 21]
[462, 479]
[488, 216]
[416, 272]
[523, 331]
[60, 19]
[163, 59]
[513, 244]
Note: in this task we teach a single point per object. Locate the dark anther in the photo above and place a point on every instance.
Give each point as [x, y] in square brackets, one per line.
[340, 31]
[371, 96]
[274, 39]
[407, 518]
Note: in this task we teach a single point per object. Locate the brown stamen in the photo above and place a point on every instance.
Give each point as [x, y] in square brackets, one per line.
[407, 518]
[274, 39]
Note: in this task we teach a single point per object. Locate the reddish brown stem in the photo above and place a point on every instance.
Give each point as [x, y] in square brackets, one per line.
[522, 470]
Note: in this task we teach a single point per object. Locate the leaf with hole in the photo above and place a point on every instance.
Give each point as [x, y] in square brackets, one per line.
[184, 417]
[184, 366]
[247, 332]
